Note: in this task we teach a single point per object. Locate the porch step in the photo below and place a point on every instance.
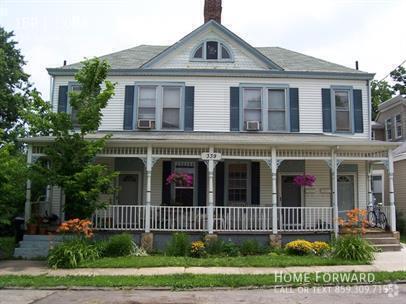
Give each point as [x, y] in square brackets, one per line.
[36, 246]
[382, 240]
[388, 247]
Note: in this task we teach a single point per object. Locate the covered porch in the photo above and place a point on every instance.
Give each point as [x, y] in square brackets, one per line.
[241, 182]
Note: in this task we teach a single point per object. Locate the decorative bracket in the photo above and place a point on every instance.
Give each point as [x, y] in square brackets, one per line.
[153, 161]
[337, 164]
[269, 163]
[215, 162]
[386, 164]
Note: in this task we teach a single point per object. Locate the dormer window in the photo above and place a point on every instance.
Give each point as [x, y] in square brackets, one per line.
[212, 50]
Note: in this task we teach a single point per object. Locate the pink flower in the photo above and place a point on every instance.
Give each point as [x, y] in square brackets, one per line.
[304, 180]
[180, 179]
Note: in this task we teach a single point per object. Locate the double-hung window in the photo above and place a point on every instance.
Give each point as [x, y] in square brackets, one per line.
[147, 101]
[171, 104]
[343, 122]
[277, 110]
[73, 112]
[388, 129]
[237, 183]
[398, 125]
[252, 105]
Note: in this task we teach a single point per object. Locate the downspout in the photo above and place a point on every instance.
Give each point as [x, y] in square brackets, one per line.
[369, 110]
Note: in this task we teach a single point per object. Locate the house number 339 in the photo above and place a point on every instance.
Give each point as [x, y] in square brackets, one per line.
[211, 156]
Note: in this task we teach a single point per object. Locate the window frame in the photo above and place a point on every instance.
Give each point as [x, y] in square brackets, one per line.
[220, 58]
[159, 88]
[349, 90]
[389, 120]
[69, 108]
[398, 125]
[195, 187]
[226, 182]
[381, 174]
[265, 105]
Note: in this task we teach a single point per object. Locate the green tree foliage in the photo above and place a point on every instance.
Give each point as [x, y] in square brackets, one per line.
[399, 77]
[71, 156]
[13, 172]
[380, 91]
[14, 87]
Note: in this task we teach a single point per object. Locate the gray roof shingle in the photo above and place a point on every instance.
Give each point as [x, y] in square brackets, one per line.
[135, 57]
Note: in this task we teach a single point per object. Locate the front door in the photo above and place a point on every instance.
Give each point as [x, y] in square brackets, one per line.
[128, 189]
[291, 196]
[345, 193]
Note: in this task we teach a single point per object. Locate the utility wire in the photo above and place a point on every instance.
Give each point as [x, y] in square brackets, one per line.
[393, 70]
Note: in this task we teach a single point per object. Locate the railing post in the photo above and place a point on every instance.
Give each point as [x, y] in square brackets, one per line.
[274, 168]
[148, 196]
[27, 207]
[210, 209]
[391, 192]
[334, 165]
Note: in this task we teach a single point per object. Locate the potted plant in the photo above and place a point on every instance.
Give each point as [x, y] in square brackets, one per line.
[305, 180]
[32, 226]
[180, 179]
[43, 226]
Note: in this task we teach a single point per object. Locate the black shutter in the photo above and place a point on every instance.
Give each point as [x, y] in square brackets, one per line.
[63, 99]
[166, 188]
[202, 183]
[358, 117]
[255, 189]
[220, 184]
[326, 105]
[189, 108]
[294, 109]
[234, 109]
[128, 107]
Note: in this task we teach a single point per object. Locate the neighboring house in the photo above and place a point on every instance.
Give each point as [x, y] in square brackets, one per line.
[243, 121]
[390, 125]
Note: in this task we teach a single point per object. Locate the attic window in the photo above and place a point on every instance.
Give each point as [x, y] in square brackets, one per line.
[212, 50]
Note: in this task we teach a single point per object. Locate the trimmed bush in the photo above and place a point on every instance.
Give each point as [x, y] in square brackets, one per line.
[71, 253]
[197, 249]
[299, 247]
[215, 247]
[251, 247]
[231, 249]
[179, 245]
[320, 248]
[118, 245]
[354, 248]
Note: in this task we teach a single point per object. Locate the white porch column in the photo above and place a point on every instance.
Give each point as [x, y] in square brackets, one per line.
[148, 196]
[274, 168]
[210, 207]
[391, 192]
[27, 207]
[334, 166]
[370, 196]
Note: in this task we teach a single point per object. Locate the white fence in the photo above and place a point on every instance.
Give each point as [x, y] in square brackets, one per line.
[225, 219]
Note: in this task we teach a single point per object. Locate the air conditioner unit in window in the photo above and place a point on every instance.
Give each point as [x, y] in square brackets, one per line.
[252, 125]
[146, 124]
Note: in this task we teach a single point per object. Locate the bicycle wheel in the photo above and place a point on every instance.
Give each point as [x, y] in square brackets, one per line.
[372, 219]
[383, 222]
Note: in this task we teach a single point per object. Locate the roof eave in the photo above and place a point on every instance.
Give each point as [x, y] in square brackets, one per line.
[223, 73]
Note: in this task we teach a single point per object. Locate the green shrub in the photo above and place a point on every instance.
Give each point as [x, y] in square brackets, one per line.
[118, 245]
[71, 253]
[251, 247]
[215, 247]
[179, 245]
[354, 248]
[231, 249]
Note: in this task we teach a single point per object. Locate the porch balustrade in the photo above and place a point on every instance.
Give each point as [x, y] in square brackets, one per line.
[225, 219]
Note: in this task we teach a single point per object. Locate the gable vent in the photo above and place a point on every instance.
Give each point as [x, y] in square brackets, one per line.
[212, 10]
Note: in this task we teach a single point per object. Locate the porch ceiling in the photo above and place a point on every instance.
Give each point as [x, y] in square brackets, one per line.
[304, 141]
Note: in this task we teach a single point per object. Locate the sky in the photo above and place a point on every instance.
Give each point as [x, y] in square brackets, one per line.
[341, 31]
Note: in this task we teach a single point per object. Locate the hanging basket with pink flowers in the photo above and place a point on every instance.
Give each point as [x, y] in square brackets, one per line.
[180, 179]
[305, 180]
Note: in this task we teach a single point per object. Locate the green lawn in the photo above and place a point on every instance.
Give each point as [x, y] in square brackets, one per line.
[179, 281]
[7, 245]
[243, 261]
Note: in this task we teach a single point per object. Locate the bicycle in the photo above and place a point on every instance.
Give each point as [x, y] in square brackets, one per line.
[376, 217]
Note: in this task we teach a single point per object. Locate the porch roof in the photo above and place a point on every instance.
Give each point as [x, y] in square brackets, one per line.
[231, 138]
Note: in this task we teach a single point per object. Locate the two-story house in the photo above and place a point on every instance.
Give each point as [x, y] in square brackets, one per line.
[244, 123]
[390, 125]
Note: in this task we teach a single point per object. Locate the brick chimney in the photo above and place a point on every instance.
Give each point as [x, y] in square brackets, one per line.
[212, 10]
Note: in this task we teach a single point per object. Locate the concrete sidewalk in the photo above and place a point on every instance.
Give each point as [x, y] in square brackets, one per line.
[385, 261]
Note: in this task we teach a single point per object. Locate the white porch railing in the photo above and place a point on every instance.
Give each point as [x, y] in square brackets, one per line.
[225, 219]
[120, 217]
[305, 219]
[178, 218]
[242, 219]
